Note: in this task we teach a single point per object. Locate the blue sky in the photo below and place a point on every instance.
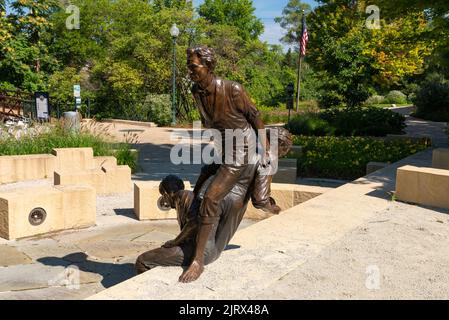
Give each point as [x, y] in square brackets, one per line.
[267, 10]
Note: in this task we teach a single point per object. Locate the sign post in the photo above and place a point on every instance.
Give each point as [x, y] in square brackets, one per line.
[290, 90]
[77, 95]
[42, 106]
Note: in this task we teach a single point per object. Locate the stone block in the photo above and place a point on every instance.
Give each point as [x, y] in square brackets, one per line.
[146, 196]
[94, 178]
[16, 207]
[440, 159]
[287, 171]
[107, 163]
[78, 206]
[64, 208]
[74, 158]
[374, 166]
[107, 180]
[26, 167]
[118, 179]
[424, 186]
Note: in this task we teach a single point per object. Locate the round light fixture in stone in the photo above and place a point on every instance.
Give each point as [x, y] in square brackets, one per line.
[37, 216]
[162, 205]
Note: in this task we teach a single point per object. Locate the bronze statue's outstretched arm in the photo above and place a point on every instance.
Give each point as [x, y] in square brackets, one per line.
[187, 233]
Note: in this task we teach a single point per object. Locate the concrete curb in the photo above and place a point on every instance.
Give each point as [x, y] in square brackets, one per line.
[132, 123]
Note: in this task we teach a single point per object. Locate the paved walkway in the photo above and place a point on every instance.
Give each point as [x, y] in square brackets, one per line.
[423, 128]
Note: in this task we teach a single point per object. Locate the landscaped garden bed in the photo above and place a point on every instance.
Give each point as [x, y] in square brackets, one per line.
[346, 157]
[42, 139]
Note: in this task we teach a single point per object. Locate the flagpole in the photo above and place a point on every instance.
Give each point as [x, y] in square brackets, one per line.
[299, 80]
[298, 91]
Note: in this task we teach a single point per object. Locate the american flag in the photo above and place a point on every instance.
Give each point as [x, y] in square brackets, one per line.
[304, 37]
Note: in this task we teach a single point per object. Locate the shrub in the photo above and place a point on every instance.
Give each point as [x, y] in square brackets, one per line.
[356, 121]
[432, 99]
[309, 124]
[376, 99]
[331, 98]
[396, 97]
[347, 157]
[159, 108]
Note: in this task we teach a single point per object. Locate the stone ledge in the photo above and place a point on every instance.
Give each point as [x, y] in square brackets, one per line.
[425, 186]
[146, 195]
[130, 122]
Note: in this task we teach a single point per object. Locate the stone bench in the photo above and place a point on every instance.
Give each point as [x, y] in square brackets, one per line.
[26, 167]
[440, 159]
[108, 179]
[146, 196]
[28, 212]
[424, 186]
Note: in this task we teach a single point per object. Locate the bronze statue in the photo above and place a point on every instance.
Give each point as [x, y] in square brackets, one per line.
[210, 215]
[180, 251]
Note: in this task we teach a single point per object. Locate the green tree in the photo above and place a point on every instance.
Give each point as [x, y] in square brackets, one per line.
[236, 13]
[291, 20]
[26, 61]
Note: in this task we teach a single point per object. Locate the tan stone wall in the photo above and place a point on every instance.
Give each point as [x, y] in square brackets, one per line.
[425, 186]
[69, 166]
[42, 166]
[286, 197]
[146, 195]
[26, 167]
[440, 159]
[66, 208]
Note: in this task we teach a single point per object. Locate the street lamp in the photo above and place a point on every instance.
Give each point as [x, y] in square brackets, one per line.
[174, 31]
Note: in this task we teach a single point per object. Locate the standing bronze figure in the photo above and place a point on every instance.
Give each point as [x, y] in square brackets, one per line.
[210, 215]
